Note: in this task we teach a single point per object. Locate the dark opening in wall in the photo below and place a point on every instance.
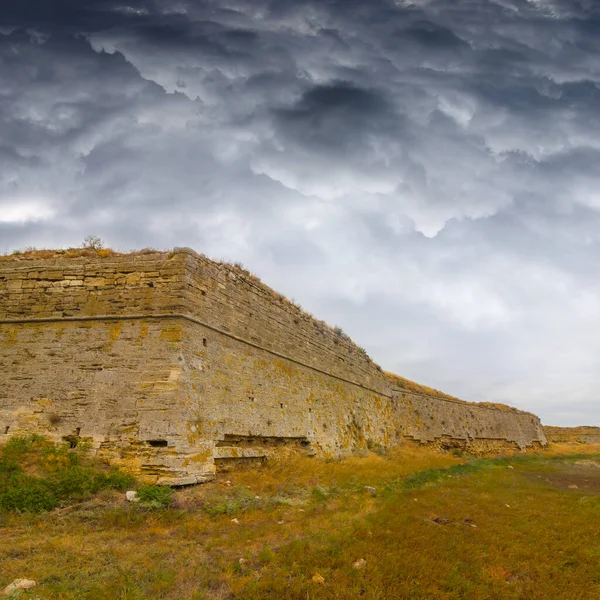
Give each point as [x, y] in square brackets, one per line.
[78, 431]
[151, 284]
[204, 342]
[158, 443]
[281, 405]
[72, 440]
[203, 292]
[6, 429]
[251, 398]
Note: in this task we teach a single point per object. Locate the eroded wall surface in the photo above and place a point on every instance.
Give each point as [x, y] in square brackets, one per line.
[172, 365]
[454, 424]
[573, 435]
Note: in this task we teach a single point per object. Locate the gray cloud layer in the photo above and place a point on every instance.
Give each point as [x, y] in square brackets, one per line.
[423, 173]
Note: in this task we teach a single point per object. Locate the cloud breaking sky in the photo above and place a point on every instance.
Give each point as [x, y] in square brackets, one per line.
[423, 173]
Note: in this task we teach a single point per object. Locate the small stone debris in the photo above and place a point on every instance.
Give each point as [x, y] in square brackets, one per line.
[227, 483]
[359, 564]
[234, 520]
[441, 520]
[279, 522]
[132, 496]
[370, 489]
[257, 497]
[507, 505]
[242, 561]
[470, 523]
[318, 578]
[573, 487]
[19, 584]
[510, 467]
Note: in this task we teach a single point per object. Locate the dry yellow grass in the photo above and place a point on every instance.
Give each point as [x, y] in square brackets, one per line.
[477, 531]
[419, 388]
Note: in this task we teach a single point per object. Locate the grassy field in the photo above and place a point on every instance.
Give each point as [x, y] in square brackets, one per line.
[409, 525]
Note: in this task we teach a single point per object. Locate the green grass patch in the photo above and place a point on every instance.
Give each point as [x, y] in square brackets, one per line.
[155, 496]
[37, 475]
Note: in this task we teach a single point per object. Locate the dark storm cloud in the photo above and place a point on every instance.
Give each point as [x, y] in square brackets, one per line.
[334, 117]
[421, 172]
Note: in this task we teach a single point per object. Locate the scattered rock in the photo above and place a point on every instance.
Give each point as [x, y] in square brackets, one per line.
[573, 487]
[359, 564]
[441, 520]
[242, 561]
[132, 496]
[507, 505]
[234, 520]
[227, 483]
[279, 522]
[19, 584]
[510, 467]
[257, 497]
[470, 523]
[317, 578]
[370, 489]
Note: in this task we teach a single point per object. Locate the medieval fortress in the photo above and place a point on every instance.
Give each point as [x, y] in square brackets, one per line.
[172, 365]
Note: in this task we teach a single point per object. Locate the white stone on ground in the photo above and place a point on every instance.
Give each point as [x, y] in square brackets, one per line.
[18, 584]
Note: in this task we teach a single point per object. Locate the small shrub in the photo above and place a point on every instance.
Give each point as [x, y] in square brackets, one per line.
[117, 480]
[93, 242]
[266, 555]
[155, 496]
[27, 494]
[239, 501]
[19, 445]
[74, 482]
[320, 493]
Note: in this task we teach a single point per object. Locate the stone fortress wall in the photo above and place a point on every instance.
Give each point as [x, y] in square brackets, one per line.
[172, 365]
[573, 435]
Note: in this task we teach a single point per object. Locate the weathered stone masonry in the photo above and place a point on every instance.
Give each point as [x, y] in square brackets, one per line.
[172, 364]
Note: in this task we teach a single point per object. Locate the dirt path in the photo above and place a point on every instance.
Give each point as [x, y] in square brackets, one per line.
[583, 475]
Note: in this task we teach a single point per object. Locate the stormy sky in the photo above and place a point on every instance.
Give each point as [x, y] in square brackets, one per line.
[423, 173]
